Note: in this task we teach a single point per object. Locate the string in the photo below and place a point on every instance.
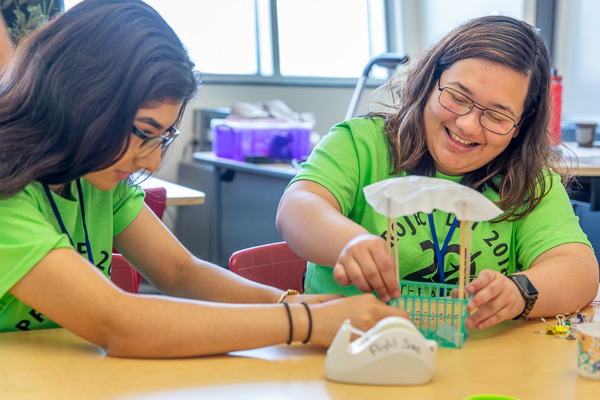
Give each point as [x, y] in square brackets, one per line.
[441, 253]
[88, 245]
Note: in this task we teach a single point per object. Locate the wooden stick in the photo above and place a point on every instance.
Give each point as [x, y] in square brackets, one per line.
[461, 265]
[388, 238]
[468, 255]
[397, 263]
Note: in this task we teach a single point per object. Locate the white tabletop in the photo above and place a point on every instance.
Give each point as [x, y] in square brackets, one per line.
[177, 195]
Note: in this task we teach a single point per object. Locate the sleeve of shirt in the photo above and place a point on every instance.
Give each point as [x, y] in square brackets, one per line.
[352, 155]
[25, 238]
[550, 224]
[333, 163]
[127, 204]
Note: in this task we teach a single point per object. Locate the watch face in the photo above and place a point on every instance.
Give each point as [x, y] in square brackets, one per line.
[525, 284]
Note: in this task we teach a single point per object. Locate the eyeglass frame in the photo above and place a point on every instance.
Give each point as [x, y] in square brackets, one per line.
[477, 106]
[166, 140]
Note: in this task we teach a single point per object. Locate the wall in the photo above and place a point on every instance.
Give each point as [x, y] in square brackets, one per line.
[328, 104]
[578, 58]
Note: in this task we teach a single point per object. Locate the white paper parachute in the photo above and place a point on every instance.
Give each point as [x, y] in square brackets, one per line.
[396, 197]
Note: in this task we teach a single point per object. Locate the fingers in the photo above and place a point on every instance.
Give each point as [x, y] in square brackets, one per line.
[366, 263]
[495, 299]
[484, 289]
[375, 310]
[364, 311]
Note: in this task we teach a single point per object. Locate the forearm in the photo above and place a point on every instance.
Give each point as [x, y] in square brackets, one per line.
[174, 271]
[200, 280]
[67, 290]
[166, 327]
[565, 283]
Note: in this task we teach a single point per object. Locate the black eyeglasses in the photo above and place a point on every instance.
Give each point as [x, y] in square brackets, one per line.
[492, 120]
[151, 143]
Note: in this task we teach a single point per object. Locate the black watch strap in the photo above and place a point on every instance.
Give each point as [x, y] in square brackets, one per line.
[528, 291]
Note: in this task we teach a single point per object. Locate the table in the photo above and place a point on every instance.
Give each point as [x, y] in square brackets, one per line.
[588, 159]
[587, 169]
[508, 358]
[177, 195]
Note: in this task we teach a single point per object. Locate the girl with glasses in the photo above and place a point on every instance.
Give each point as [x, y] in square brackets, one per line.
[86, 101]
[473, 108]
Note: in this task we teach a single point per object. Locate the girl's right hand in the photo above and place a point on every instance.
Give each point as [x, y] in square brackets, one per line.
[367, 262]
[364, 311]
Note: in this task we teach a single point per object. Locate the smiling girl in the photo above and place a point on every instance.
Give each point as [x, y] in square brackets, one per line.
[474, 108]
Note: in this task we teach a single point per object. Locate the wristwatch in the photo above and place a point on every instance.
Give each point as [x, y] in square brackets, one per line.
[528, 291]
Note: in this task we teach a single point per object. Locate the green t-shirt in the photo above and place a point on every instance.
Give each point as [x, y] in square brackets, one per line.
[355, 154]
[29, 230]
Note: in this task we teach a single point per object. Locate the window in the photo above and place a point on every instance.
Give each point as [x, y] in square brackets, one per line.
[333, 38]
[278, 39]
[320, 42]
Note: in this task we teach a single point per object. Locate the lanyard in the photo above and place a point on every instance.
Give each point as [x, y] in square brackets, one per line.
[61, 223]
[441, 253]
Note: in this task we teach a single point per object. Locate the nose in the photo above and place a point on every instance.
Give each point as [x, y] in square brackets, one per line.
[469, 123]
[151, 161]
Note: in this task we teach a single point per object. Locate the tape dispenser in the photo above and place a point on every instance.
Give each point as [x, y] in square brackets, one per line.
[393, 352]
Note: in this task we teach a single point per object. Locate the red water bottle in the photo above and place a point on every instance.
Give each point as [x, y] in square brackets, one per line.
[556, 90]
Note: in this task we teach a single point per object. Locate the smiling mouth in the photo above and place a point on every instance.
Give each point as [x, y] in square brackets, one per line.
[457, 139]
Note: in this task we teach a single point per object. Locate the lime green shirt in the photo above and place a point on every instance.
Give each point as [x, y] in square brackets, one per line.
[355, 154]
[29, 230]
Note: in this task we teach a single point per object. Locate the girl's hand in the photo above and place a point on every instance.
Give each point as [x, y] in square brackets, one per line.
[496, 298]
[367, 262]
[364, 311]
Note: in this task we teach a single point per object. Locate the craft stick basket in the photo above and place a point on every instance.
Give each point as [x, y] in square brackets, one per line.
[435, 312]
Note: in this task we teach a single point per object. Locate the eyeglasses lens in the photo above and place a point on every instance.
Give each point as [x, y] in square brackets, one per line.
[460, 104]
[149, 146]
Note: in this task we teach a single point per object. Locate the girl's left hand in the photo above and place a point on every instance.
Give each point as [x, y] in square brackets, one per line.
[495, 299]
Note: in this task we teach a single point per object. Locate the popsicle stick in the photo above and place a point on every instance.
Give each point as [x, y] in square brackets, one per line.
[396, 258]
[388, 238]
[468, 254]
[461, 265]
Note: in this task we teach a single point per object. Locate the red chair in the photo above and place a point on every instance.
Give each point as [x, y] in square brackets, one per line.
[123, 274]
[272, 264]
[156, 199]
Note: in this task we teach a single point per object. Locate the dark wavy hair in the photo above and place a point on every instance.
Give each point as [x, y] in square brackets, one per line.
[69, 96]
[517, 174]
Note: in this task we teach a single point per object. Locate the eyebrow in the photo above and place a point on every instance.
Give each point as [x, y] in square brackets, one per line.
[152, 122]
[494, 105]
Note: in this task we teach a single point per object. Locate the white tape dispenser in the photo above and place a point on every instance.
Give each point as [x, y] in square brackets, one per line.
[393, 352]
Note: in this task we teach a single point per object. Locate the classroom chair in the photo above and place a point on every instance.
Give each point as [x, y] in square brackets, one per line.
[123, 274]
[273, 264]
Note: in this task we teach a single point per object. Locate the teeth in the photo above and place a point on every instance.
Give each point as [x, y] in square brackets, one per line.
[459, 140]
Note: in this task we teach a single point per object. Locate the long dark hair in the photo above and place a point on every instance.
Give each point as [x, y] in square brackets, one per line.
[69, 95]
[517, 174]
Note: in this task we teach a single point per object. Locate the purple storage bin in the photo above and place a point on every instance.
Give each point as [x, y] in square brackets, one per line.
[241, 140]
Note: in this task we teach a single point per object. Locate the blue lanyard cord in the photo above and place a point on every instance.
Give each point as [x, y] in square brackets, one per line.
[441, 253]
[88, 246]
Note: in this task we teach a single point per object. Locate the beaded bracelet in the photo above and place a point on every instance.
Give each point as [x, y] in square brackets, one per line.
[289, 314]
[286, 294]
